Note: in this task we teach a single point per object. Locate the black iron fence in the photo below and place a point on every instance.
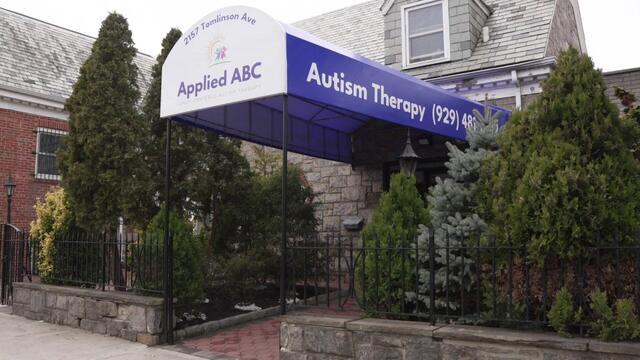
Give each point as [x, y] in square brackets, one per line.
[443, 280]
[103, 261]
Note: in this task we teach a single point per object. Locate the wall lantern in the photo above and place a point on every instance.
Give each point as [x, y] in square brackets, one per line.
[408, 159]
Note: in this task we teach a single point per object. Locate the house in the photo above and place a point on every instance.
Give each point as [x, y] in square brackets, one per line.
[502, 49]
[39, 63]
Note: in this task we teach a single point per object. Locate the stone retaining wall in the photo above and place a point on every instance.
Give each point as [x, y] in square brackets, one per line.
[324, 338]
[132, 317]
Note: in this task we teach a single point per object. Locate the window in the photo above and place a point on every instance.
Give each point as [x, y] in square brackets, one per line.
[47, 144]
[425, 28]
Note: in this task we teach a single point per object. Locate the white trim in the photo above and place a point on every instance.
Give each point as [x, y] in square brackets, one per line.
[484, 7]
[43, 130]
[406, 63]
[34, 104]
[386, 6]
[578, 16]
[516, 82]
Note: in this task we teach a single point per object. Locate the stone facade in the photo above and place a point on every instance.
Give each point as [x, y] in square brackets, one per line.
[321, 338]
[131, 317]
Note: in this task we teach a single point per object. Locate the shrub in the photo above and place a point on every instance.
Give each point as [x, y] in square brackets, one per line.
[54, 218]
[607, 326]
[453, 216]
[565, 177]
[562, 313]
[188, 255]
[393, 227]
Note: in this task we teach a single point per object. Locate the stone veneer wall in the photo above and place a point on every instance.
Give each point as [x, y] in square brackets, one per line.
[322, 338]
[132, 317]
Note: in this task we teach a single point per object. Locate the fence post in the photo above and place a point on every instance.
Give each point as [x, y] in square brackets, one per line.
[432, 275]
[21, 258]
[103, 260]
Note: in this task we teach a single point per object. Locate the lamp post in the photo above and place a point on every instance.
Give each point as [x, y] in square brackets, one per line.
[408, 159]
[9, 186]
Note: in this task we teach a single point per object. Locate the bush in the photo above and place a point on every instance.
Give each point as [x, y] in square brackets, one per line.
[607, 326]
[394, 226]
[562, 313]
[54, 218]
[453, 216]
[188, 255]
[565, 177]
[260, 238]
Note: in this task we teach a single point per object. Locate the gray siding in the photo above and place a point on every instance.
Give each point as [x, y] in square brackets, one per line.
[466, 20]
[627, 79]
[564, 29]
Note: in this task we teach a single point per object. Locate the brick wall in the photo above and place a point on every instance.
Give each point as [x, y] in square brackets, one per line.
[17, 158]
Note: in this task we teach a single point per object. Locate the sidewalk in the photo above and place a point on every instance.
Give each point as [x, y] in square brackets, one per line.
[22, 339]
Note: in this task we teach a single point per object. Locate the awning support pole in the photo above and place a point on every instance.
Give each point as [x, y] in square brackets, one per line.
[168, 246]
[283, 244]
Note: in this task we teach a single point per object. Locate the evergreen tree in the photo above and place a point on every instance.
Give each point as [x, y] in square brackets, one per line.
[101, 164]
[564, 178]
[185, 138]
[387, 240]
[453, 216]
[210, 179]
[630, 112]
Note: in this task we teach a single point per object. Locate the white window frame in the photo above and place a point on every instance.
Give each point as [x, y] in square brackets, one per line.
[42, 130]
[404, 10]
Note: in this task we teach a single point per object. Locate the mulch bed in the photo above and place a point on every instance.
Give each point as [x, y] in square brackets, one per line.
[222, 300]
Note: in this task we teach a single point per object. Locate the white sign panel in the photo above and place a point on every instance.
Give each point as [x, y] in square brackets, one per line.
[231, 55]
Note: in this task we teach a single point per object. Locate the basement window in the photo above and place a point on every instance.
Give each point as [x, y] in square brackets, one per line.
[425, 33]
[48, 142]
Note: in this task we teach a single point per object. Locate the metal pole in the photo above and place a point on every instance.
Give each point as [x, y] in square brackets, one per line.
[283, 244]
[168, 268]
[9, 209]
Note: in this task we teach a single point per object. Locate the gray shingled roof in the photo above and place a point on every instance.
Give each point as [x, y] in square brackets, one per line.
[358, 28]
[45, 59]
[519, 32]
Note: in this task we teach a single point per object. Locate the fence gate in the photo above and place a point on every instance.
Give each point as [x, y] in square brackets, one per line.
[17, 261]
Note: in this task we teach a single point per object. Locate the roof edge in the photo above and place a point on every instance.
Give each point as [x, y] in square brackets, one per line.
[93, 38]
[621, 71]
[546, 61]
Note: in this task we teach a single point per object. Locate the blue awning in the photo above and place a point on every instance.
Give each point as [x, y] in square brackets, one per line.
[232, 68]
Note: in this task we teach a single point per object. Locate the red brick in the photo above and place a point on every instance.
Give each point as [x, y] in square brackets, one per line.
[17, 158]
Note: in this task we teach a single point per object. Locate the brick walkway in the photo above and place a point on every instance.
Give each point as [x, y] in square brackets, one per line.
[260, 340]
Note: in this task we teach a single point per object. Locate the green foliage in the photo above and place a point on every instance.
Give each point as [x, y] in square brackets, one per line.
[189, 256]
[564, 178]
[101, 165]
[607, 326]
[453, 217]
[266, 161]
[393, 227]
[562, 313]
[631, 112]
[259, 237]
[54, 218]
[210, 179]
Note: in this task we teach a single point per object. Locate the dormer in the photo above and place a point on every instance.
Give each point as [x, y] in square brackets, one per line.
[425, 32]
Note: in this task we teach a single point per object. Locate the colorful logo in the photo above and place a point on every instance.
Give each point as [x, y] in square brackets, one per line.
[218, 52]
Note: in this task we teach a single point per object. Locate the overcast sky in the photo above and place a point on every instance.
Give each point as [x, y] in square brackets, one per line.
[611, 27]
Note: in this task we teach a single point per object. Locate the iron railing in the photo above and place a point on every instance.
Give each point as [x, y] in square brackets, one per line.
[103, 261]
[472, 282]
